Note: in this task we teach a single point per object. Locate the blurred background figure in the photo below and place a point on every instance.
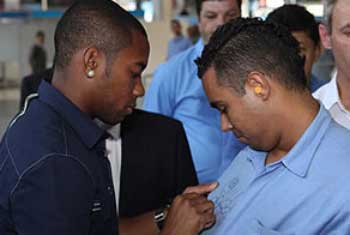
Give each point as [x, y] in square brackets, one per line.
[179, 42]
[193, 33]
[38, 57]
[334, 32]
[304, 28]
[177, 92]
[324, 66]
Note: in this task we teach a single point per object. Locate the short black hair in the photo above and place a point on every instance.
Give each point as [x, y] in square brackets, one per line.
[245, 45]
[200, 2]
[100, 23]
[296, 18]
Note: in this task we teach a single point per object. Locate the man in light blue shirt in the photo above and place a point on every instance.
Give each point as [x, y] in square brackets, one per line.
[293, 179]
[178, 43]
[177, 92]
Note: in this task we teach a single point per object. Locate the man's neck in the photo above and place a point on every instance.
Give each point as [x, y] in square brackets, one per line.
[68, 88]
[297, 116]
[343, 85]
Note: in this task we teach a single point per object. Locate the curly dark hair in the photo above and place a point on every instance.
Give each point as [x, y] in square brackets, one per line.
[245, 45]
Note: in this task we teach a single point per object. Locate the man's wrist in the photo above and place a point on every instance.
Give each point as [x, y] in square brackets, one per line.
[160, 216]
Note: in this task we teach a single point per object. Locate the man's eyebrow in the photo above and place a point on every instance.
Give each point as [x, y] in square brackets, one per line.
[345, 27]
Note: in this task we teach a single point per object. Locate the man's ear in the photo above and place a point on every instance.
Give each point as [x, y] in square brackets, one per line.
[92, 59]
[258, 84]
[325, 36]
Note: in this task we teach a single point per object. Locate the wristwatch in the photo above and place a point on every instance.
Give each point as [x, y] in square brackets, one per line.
[160, 215]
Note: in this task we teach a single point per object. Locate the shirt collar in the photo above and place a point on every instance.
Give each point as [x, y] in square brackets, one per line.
[113, 131]
[299, 158]
[331, 95]
[199, 47]
[82, 124]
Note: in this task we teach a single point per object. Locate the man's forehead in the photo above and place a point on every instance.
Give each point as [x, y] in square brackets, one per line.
[220, 2]
[341, 14]
[209, 77]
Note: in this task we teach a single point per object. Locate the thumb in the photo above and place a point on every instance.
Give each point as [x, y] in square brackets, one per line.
[202, 188]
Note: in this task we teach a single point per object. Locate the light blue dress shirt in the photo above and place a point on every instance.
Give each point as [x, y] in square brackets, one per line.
[307, 192]
[176, 91]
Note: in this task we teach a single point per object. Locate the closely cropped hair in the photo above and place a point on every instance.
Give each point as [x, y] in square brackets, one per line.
[296, 18]
[328, 13]
[200, 2]
[100, 23]
[245, 45]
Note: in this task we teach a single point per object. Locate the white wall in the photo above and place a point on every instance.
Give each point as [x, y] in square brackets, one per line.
[17, 37]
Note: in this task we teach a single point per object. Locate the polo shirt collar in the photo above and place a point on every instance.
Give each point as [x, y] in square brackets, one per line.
[199, 47]
[299, 158]
[82, 124]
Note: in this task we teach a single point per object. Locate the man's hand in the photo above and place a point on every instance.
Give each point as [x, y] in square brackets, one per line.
[202, 189]
[190, 212]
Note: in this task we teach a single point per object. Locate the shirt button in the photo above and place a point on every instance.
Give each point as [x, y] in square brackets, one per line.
[110, 190]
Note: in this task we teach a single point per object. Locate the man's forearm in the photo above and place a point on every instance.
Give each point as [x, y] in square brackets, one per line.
[143, 224]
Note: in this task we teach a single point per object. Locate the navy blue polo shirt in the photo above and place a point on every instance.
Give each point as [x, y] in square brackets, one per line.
[54, 175]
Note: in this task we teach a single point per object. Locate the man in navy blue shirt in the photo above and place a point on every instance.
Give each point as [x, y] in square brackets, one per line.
[54, 174]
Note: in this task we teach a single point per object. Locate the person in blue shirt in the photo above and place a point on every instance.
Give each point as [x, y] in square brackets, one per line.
[304, 28]
[55, 176]
[293, 177]
[178, 43]
[176, 91]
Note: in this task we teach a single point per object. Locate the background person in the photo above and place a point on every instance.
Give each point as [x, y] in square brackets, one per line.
[38, 55]
[304, 28]
[176, 91]
[179, 42]
[335, 32]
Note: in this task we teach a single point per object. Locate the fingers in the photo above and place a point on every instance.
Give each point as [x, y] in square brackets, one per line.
[203, 207]
[202, 189]
[209, 220]
[207, 216]
[201, 203]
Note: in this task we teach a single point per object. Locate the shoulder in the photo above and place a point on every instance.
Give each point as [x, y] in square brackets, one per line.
[338, 138]
[35, 133]
[334, 150]
[179, 62]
